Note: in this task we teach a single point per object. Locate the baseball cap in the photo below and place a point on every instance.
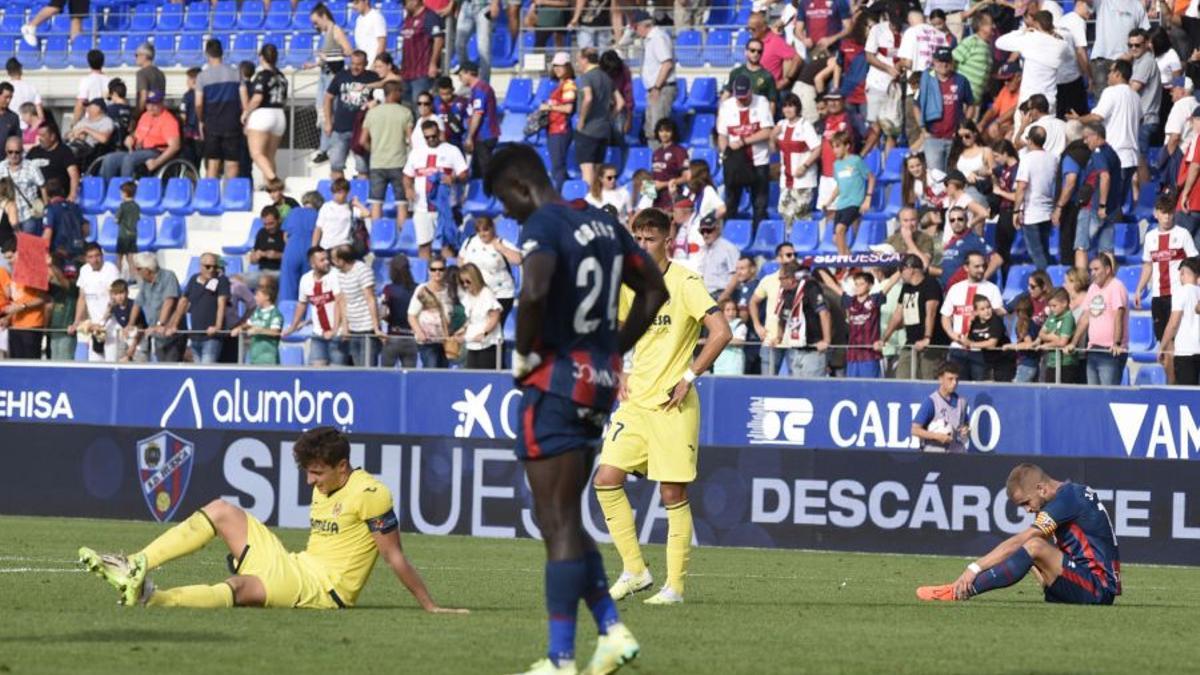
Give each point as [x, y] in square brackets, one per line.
[1008, 71]
[561, 59]
[741, 86]
[154, 97]
[638, 16]
[708, 223]
[1182, 83]
[832, 94]
[943, 54]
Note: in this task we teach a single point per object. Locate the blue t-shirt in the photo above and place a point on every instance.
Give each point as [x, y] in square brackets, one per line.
[578, 339]
[1104, 159]
[1081, 529]
[1068, 167]
[483, 99]
[851, 174]
[954, 256]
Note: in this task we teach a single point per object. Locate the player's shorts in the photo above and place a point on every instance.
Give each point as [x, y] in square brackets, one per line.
[660, 445]
[1077, 585]
[290, 579]
[425, 223]
[1160, 313]
[553, 425]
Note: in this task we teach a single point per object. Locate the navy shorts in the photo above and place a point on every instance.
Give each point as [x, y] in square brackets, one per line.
[1077, 585]
[552, 425]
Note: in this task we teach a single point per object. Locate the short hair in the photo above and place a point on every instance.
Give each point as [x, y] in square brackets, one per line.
[276, 184]
[590, 55]
[270, 210]
[1192, 265]
[55, 187]
[118, 286]
[978, 21]
[511, 162]
[1037, 136]
[13, 67]
[948, 367]
[980, 299]
[444, 82]
[393, 88]
[213, 49]
[1096, 128]
[651, 219]
[358, 54]
[6, 87]
[342, 253]
[782, 245]
[193, 73]
[1039, 103]
[339, 185]
[840, 138]
[27, 108]
[976, 254]
[865, 277]
[1165, 203]
[1061, 294]
[128, 189]
[269, 284]
[147, 48]
[95, 59]
[323, 445]
[246, 69]
[312, 199]
[92, 246]
[147, 260]
[794, 101]
[1023, 475]
[116, 86]
[913, 262]
[430, 124]
[313, 251]
[748, 258]
[1122, 68]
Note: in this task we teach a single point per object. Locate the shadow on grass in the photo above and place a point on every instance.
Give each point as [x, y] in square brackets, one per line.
[122, 635]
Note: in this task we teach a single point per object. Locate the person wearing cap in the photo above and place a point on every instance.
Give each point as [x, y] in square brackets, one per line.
[716, 261]
[658, 71]
[559, 108]
[94, 130]
[945, 101]
[1037, 116]
[483, 125]
[423, 35]
[1178, 128]
[154, 142]
[920, 298]
[744, 126]
[997, 122]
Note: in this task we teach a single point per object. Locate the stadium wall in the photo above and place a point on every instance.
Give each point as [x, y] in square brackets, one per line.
[146, 442]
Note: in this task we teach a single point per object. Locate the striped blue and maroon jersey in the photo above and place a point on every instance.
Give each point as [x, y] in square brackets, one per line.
[1081, 529]
[581, 360]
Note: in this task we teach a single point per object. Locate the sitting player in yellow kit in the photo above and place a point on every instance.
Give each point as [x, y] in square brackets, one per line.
[352, 522]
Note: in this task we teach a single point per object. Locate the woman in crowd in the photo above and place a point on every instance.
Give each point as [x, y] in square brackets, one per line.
[397, 296]
[604, 192]
[429, 316]
[263, 116]
[559, 107]
[668, 163]
[973, 159]
[332, 53]
[921, 188]
[9, 219]
[425, 114]
[493, 257]
[705, 202]
[1004, 191]
[481, 334]
[387, 70]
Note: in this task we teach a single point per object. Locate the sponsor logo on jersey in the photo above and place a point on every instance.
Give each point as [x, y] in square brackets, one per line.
[164, 464]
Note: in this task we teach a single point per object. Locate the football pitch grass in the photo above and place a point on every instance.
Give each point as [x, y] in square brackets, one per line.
[747, 611]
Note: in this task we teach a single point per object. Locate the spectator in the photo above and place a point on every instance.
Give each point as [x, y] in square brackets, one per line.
[385, 133]
[78, 10]
[483, 129]
[93, 85]
[1046, 55]
[945, 99]
[592, 23]
[24, 314]
[603, 192]
[957, 198]
[833, 119]
[800, 151]
[1181, 338]
[219, 109]
[851, 195]
[668, 163]
[118, 108]
[918, 44]
[148, 78]
[1163, 250]
[778, 57]
[493, 257]
[1146, 80]
[482, 334]
[428, 106]
[744, 127]
[821, 23]
[1061, 366]
[1102, 205]
[423, 35]
[883, 77]
[1000, 118]
[863, 309]
[1105, 324]
[10, 122]
[264, 325]
[1037, 116]
[925, 339]
[263, 118]
[345, 99]
[1170, 66]
[1067, 200]
[23, 91]
[853, 79]
[28, 186]
[803, 324]
[958, 310]
[360, 315]
[1035, 198]
[908, 239]
[732, 359]
[370, 29]
[984, 356]
[622, 79]
[1114, 21]
[332, 53]
[428, 316]
[120, 322]
[973, 56]
[956, 253]
[1178, 128]
[30, 123]
[128, 214]
[594, 128]
[335, 220]
[319, 291]
[943, 420]
[400, 346]
[430, 182]
[158, 293]
[282, 203]
[558, 109]
[65, 225]
[702, 201]
[205, 302]
[716, 261]
[55, 160]
[189, 123]
[920, 187]
[1026, 332]
[91, 135]
[1189, 180]
[475, 18]
[1120, 109]
[973, 160]
[762, 82]
[63, 298]
[95, 280]
[764, 297]
[269, 242]
[658, 71]
[384, 65]
[10, 221]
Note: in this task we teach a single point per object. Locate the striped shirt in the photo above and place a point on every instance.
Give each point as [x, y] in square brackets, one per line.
[973, 56]
[357, 287]
[220, 85]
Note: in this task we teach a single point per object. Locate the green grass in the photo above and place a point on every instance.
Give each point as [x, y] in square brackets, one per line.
[748, 611]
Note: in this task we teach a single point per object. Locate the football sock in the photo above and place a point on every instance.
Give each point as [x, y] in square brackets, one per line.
[185, 538]
[1007, 573]
[618, 515]
[564, 583]
[595, 593]
[679, 543]
[200, 597]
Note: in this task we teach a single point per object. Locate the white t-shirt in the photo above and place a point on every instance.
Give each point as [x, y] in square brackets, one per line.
[92, 85]
[1037, 170]
[477, 308]
[23, 93]
[734, 120]
[356, 285]
[1070, 69]
[94, 285]
[335, 221]
[960, 304]
[1164, 251]
[1179, 121]
[790, 175]
[445, 159]
[1168, 63]
[918, 44]
[1121, 108]
[1044, 56]
[367, 30]
[1076, 26]
[881, 42]
[321, 296]
[617, 198]
[493, 265]
[1056, 135]
[658, 48]
[1187, 340]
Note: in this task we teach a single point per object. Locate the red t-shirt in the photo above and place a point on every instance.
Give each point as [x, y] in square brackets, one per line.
[945, 127]
[560, 122]
[1192, 203]
[776, 50]
[833, 124]
[668, 163]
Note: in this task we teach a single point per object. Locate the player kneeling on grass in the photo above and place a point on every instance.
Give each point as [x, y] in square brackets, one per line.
[656, 430]
[352, 521]
[1082, 566]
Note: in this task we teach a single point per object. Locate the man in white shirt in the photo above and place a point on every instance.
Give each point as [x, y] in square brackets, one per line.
[1034, 198]
[95, 279]
[23, 92]
[370, 29]
[94, 84]
[1178, 128]
[882, 96]
[919, 42]
[319, 291]
[1045, 54]
[1182, 335]
[959, 306]
[717, 259]
[1037, 115]
[440, 166]
[658, 70]
[1120, 109]
[744, 124]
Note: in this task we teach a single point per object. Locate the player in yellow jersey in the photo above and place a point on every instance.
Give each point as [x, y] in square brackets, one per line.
[656, 430]
[352, 522]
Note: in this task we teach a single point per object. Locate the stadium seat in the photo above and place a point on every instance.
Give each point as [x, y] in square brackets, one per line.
[512, 128]
[91, 194]
[112, 196]
[504, 54]
[360, 189]
[709, 156]
[827, 244]
[634, 135]
[57, 54]
[768, 268]
[508, 230]
[1144, 208]
[574, 189]
[718, 48]
[639, 158]
[1018, 279]
[769, 235]
[519, 96]
[170, 18]
[143, 19]
[874, 161]
[689, 48]
[224, 16]
[172, 233]
[679, 106]
[545, 87]
[279, 17]
[111, 45]
[385, 240]
[196, 18]
[477, 203]
[300, 50]
[291, 354]
[407, 242]
[149, 196]
[1150, 375]
[893, 166]
[1058, 274]
[31, 57]
[1141, 338]
[245, 47]
[247, 243]
[277, 39]
[206, 199]
[177, 200]
[870, 233]
[419, 268]
[639, 94]
[77, 58]
[190, 49]
[1129, 275]
[108, 235]
[239, 195]
[806, 237]
[147, 231]
[701, 134]
[252, 15]
[738, 233]
[1127, 243]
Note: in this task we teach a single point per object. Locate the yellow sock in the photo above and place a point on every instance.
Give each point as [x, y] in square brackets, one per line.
[185, 538]
[679, 543]
[200, 597]
[619, 516]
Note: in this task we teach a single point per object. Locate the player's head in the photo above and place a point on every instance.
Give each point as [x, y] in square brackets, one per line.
[324, 455]
[1029, 487]
[517, 177]
[947, 376]
[652, 229]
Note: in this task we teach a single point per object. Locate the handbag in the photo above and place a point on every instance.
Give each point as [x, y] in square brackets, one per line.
[360, 238]
[536, 121]
[37, 207]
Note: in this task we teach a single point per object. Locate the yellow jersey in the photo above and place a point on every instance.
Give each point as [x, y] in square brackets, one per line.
[341, 525]
[664, 352]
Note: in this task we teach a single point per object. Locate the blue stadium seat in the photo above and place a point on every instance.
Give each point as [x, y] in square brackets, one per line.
[360, 188]
[291, 354]
[170, 19]
[246, 244]
[870, 233]
[503, 53]
[149, 196]
[768, 268]
[893, 165]
[288, 309]
[1144, 208]
[1129, 275]
[689, 48]
[57, 54]
[634, 136]
[91, 194]
[112, 47]
[827, 244]
[679, 106]
[224, 16]
[738, 233]
[769, 235]
[1058, 274]
[385, 240]
[108, 235]
[639, 158]
[574, 189]
[12, 22]
[77, 58]
[545, 87]
[1127, 244]
[874, 161]
[172, 233]
[279, 17]
[143, 19]
[233, 264]
[300, 18]
[1141, 338]
[278, 39]
[806, 237]
[31, 57]
[112, 196]
[60, 25]
[1151, 375]
[707, 155]
[147, 231]
[1018, 279]
[300, 50]
[323, 189]
[639, 94]
[512, 128]
[519, 96]
[177, 200]
[190, 50]
[239, 195]
[477, 203]
[196, 18]
[701, 135]
[252, 15]
[718, 48]
[245, 47]
[408, 238]
[508, 230]
[206, 199]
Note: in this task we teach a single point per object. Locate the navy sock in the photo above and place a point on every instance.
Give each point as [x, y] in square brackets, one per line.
[595, 593]
[564, 583]
[1007, 573]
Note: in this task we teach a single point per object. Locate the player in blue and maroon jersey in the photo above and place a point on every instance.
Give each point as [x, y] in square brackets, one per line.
[568, 365]
[1071, 547]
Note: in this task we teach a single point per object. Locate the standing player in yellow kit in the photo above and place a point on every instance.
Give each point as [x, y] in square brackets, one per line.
[656, 430]
[352, 522]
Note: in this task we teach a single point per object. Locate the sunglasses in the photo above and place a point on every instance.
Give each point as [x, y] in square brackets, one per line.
[753, 51]
[208, 267]
[424, 103]
[610, 178]
[18, 153]
[437, 269]
[958, 220]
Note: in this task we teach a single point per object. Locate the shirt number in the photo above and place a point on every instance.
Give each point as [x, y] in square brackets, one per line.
[589, 278]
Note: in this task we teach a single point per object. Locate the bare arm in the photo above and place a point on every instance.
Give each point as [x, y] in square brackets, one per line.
[996, 556]
[393, 554]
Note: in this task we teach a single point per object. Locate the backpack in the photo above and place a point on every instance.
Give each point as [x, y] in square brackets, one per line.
[67, 220]
[360, 238]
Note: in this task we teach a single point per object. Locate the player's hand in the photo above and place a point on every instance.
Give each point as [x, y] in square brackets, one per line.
[679, 393]
[962, 586]
[524, 364]
[447, 610]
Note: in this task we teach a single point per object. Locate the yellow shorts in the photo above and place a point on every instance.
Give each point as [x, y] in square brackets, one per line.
[661, 445]
[291, 579]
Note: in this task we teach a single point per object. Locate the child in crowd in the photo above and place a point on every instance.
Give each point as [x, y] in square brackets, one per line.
[863, 310]
[116, 324]
[1056, 334]
[1028, 358]
[282, 203]
[335, 220]
[119, 110]
[30, 123]
[851, 195]
[985, 340]
[732, 359]
[264, 325]
[128, 215]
